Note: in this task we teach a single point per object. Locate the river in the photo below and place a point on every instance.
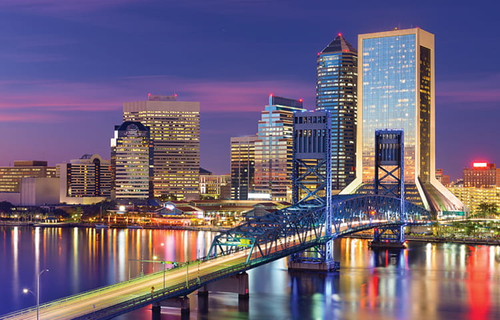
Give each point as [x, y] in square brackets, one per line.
[426, 281]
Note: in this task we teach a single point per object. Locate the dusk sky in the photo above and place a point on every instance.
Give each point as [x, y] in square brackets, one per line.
[67, 66]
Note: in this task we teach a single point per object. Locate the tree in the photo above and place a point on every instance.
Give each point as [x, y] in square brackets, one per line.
[486, 210]
[6, 207]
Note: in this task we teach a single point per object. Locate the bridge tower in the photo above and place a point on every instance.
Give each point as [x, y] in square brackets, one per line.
[312, 181]
[389, 181]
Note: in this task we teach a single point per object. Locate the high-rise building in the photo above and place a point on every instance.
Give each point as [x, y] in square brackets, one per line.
[132, 161]
[175, 132]
[10, 177]
[242, 166]
[87, 177]
[336, 82]
[274, 148]
[482, 174]
[396, 91]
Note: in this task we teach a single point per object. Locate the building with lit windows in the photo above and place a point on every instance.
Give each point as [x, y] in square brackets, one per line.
[336, 81]
[86, 180]
[274, 148]
[242, 166]
[482, 174]
[396, 91]
[215, 186]
[472, 197]
[10, 177]
[175, 133]
[132, 161]
[443, 178]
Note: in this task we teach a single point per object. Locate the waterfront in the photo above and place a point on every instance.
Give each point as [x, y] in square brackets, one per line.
[432, 281]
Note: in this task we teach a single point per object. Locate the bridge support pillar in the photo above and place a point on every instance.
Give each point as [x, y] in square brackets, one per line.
[392, 237]
[237, 284]
[180, 302]
[314, 259]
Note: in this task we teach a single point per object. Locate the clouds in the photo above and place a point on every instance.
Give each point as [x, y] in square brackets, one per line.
[55, 100]
[482, 90]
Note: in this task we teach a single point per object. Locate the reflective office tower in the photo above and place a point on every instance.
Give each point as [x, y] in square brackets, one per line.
[274, 148]
[396, 91]
[242, 166]
[132, 161]
[175, 132]
[336, 82]
[87, 177]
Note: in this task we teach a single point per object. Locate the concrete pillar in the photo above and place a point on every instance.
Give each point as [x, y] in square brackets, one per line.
[179, 302]
[236, 284]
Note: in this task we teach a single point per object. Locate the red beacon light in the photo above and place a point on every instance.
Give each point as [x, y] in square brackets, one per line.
[340, 34]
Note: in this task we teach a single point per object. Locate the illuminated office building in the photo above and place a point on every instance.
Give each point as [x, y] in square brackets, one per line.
[175, 133]
[10, 177]
[215, 186]
[242, 166]
[396, 91]
[87, 178]
[131, 160]
[336, 81]
[472, 197]
[274, 148]
[482, 174]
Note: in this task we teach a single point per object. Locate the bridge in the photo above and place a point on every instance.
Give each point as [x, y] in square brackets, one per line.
[289, 231]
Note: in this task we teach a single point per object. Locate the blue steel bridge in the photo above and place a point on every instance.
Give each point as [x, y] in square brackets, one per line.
[290, 231]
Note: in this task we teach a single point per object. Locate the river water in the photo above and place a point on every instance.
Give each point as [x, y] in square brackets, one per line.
[426, 281]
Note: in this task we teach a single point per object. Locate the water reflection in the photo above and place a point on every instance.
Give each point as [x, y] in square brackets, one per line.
[430, 281]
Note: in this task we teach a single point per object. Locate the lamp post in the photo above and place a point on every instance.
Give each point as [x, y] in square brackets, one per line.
[37, 295]
[164, 263]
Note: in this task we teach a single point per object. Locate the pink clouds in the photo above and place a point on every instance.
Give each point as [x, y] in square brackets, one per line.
[57, 98]
[481, 90]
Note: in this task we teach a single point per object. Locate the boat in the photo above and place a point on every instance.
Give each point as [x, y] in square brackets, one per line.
[101, 226]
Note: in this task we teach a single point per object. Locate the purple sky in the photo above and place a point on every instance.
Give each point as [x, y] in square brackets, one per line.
[66, 67]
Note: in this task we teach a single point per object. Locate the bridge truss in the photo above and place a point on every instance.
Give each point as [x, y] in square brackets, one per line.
[303, 226]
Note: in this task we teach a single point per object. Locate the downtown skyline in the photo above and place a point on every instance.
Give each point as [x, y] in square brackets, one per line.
[68, 68]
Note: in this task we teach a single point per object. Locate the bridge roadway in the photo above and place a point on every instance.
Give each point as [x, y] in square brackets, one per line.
[111, 301]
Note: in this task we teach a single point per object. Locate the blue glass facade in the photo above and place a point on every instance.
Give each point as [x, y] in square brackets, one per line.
[389, 96]
[336, 92]
[274, 148]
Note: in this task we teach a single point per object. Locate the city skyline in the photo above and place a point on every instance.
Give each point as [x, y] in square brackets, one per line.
[65, 66]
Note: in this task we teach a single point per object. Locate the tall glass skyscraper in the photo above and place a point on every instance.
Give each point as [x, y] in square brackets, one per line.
[274, 148]
[396, 91]
[336, 81]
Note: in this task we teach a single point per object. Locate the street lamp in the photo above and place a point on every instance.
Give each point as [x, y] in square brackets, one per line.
[37, 295]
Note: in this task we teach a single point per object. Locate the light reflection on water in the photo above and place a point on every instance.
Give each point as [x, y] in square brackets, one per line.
[426, 281]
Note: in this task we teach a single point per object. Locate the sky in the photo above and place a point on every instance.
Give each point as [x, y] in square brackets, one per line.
[67, 67]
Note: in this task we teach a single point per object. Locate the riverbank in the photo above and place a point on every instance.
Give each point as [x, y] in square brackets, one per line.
[115, 226]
